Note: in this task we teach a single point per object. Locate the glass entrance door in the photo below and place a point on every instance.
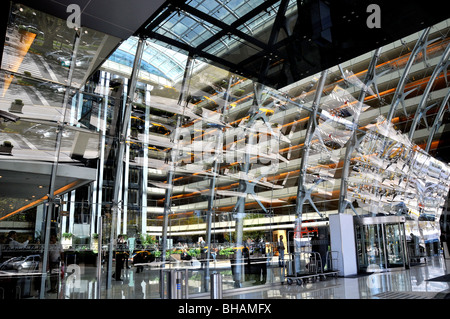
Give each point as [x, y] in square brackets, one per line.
[371, 250]
[381, 243]
[395, 245]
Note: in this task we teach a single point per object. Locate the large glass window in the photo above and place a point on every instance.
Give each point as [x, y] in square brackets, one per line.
[50, 137]
[190, 166]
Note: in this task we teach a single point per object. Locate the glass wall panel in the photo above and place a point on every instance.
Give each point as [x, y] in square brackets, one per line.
[33, 88]
[395, 246]
[50, 136]
[36, 44]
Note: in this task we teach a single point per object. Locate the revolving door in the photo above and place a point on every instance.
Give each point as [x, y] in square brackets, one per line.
[381, 243]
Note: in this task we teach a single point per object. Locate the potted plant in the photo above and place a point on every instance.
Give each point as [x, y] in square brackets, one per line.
[67, 240]
[194, 252]
[6, 147]
[225, 253]
[67, 235]
[147, 240]
[157, 255]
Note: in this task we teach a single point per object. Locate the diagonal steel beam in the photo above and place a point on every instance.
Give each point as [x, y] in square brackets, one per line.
[421, 108]
[437, 121]
[400, 94]
[153, 22]
[351, 145]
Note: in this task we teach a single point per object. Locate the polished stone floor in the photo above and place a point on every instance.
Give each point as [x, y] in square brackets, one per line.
[413, 283]
[417, 282]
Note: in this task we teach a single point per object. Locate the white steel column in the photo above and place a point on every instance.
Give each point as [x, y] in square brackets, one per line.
[144, 183]
[120, 153]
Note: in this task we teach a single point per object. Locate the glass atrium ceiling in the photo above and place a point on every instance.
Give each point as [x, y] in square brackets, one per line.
[279, 42]
[217, 28]
[156, 60]
[193, 31]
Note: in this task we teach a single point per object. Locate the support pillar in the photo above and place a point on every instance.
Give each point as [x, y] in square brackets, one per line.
[120, 153]
[210, 212]
[143, 230]
[302, 192]
[342, 236]
[168, 201]
[50, 205]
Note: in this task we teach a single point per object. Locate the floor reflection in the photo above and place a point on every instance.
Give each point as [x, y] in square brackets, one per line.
[81, 282]
[410, 283]
[413, 283]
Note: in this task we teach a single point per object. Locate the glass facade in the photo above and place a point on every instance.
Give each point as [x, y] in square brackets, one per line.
[118, 168]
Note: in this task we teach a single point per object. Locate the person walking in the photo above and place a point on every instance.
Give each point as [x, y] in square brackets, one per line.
[56, 260]
[281, 249]
[120, 254]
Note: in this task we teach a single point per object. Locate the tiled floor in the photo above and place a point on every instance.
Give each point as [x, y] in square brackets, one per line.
[413, 283]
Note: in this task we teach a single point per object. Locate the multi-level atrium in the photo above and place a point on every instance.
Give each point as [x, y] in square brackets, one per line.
[202, 132]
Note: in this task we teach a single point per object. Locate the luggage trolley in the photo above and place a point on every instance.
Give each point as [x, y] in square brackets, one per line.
[310, 268]
[416, 253]
[331, 263]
